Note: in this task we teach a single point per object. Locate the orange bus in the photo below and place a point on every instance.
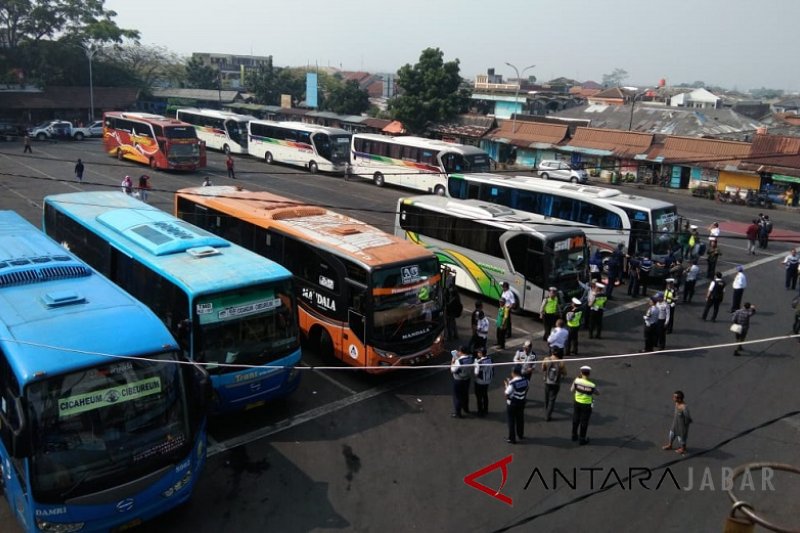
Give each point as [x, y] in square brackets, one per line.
[366, 297]
[154, 140]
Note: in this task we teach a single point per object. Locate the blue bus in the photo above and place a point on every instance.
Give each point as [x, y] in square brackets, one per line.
[230, 309]
[102, 421]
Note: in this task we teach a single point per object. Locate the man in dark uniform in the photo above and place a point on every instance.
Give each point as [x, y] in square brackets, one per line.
[516, 393]
[462, 367]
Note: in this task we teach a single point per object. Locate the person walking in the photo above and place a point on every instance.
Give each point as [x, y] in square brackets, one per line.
[553, 369]
[739, 285]
[501, 323]
[790, 264]
[548, 312]
[765, 229]
[615, 264]
[584, 390]
[207, 182]
[633, 277]
[26, 141]
[741, 323]
[751, 233]
[524, 359]
[680, 424]
[691, 281]
[574, 317]
[712, 256]
[557, 340]
[484, 372]
[694, 242]
[671, 299]
[127, 185]
[714, 296]
[229, 166]
[79, 170]
[516, 391]
[462, 368]
[650, 325]
[144, 187]
[511, 302]
[597, 308]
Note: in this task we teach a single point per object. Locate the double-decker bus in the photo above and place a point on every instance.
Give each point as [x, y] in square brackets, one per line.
[305, 145]
[162, 143]
[220, 130]
[229, 308]
[644, 226]
[487, 245]
[365, 296]
[413, 162]
[102, 422]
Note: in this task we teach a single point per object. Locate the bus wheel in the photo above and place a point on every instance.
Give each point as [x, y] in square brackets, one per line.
[119, 154]
[439, 190]
[325, 344]
[378, 179]
[226, 149]
[268, 158]
[312, 167]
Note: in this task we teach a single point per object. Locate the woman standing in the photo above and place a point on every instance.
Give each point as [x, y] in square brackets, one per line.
[144, 187]
[680, 424]
[741, 323]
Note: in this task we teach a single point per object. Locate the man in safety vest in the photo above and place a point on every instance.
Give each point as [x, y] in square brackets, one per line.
[596, 310]
[516, 393]
[671, 298]
[549, 310]
[584, 390]
[574, 317]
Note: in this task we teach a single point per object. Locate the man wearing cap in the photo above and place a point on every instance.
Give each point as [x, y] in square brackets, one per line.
[462, 367]
[584, 390]
[516, 391]
[663, 317]
[548, 311]
[691, 281]
[524, 359]
[596, 310]
[557, 340]
[671, 299]
[484, 371]
[574, 317]
[650, 321]
[739, 285]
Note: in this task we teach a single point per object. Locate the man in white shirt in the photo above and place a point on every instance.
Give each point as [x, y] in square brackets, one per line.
[558, 338]
[511, 302]
[713, 232]
[739, 285]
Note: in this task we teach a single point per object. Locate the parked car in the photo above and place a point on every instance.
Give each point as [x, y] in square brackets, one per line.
[561, 170]
[10, 132]
[58, 129]
[96, 128]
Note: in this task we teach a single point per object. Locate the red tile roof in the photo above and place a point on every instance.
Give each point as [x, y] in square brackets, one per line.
[775, 154]
[708, 153]
[526, 134]
[620, 143]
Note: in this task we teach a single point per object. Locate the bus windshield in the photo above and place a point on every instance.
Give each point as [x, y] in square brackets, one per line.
[407, 301]
[665, 226]
[237, 131]
[180, 132]
[335, 148]
[103, 427]
[569, 259]
[251, 326]
[454, 162]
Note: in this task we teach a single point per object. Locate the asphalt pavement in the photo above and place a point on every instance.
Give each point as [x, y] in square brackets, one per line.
[354, 452]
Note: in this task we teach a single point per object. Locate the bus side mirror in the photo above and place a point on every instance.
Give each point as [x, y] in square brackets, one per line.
[16, 425]
[201, 391]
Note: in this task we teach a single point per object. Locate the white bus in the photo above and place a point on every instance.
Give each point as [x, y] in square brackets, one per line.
[220, 130]
[413, 162]
[487, 244]
[644, 226]
[295, 143]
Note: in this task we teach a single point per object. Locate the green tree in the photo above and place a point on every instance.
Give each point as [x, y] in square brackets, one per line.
[347, 99]
[149, 64]
[268, 83]
[616, 78]
[429, 91]
[200, 76]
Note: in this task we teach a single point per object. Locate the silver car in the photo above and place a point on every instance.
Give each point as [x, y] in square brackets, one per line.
[561, 170]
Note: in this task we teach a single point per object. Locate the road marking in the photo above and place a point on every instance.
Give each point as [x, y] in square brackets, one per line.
[313, 414]
[325, 375]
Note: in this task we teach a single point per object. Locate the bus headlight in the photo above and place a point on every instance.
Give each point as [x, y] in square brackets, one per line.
[184, 481]
[385, 354]
[58, 528]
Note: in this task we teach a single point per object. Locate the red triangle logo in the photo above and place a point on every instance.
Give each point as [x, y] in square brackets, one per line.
[502, 464]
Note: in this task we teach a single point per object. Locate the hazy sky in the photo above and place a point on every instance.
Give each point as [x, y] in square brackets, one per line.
[733, 43]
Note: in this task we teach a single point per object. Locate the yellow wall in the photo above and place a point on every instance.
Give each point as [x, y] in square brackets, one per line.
[736, 179]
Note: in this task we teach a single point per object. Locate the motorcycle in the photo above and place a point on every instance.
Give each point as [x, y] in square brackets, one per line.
[758, 199]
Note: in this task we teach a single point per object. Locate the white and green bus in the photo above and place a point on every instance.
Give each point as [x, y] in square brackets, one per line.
[220, 130]
[487, 244]
[413, 162]
[295, 143]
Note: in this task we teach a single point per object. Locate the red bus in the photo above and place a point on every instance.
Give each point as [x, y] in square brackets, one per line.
[154, 140]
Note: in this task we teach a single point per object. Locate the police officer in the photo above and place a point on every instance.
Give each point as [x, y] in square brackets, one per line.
[645, 266]
[650, 321]
[516, 391]
[511, 302]
[484, 372]
[549, 310]
[524, 359]
[462, 368]
[584, 390]
[671, 299]
[596, 311]
[574, 317]
[663, 317]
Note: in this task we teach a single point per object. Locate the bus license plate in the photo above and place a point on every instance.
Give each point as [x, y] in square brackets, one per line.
[130, 525]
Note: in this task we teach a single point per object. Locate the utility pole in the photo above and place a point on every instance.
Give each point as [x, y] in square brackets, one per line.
[516, 94]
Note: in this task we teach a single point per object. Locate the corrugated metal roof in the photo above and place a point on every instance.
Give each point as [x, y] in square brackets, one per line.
[619, 143]
[525, 134]
[708, 153]
[475, 126]
[70, 98]
[197, 94]
[775, 154]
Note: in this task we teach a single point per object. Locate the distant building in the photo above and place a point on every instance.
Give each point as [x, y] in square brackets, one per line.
[232, 68]
[698, 99]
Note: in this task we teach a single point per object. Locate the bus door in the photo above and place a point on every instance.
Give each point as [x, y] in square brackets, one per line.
[527, 266]
[354, 337]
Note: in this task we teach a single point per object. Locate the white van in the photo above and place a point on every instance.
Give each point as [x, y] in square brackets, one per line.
[561, 170]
